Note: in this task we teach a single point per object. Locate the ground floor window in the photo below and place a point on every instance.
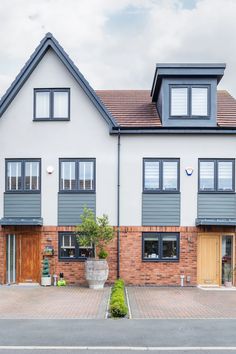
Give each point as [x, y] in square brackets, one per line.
[160, 246]
[70, 249]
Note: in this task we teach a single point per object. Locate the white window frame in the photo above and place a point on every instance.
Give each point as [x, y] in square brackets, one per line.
[51, 116]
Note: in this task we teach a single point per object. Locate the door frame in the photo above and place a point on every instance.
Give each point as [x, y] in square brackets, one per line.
[8, 258]
[219, 235]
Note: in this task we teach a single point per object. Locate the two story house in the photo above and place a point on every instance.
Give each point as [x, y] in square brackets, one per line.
[159, 163]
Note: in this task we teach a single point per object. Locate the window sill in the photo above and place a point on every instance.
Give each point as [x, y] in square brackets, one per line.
[189, 117]
[66, 260]
[22, 192]
[51, 119]
[77, 192]
[161, 260]
[216, 192]
[161, 192]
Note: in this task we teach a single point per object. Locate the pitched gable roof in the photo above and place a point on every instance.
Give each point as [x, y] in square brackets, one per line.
[135, 109]
[50, 42]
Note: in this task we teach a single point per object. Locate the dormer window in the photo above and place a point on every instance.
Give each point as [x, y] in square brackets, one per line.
[186, 94]
[52, 104]
[189, 101]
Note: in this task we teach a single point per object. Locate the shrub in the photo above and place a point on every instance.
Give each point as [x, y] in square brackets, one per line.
[118, 306]
[94, 231]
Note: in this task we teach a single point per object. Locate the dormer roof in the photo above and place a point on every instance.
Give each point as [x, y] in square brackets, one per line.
[184, 70]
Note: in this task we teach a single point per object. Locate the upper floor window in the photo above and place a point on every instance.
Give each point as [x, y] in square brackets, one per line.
[216, 175]
[189, 101]
[52, 104]
[161, 175]
[23, 175]
[77, 175]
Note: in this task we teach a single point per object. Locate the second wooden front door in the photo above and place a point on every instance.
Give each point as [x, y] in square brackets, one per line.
[28, 264]
[209, 259]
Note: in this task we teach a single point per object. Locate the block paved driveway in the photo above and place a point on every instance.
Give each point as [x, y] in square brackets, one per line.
[21, 302]
[172, 303]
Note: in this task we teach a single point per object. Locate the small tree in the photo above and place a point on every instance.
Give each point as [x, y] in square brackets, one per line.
[46, 267]
[94, 231]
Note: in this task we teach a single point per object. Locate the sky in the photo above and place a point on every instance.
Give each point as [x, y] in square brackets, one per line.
[117, 43]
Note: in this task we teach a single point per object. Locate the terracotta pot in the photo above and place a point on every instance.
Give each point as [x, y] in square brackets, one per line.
[96, 272]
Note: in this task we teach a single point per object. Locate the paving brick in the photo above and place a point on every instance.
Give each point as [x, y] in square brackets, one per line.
[162, 303]
[68, 302]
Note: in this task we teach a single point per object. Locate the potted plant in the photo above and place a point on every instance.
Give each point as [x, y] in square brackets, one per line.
[46, 277]
[228, 277]
[97, 232]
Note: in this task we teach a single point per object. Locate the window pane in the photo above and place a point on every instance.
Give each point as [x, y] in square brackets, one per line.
[206, 175]
[14, 181]
[67, 249]
[151, 249]
[86, 178]
[170, 175]
[169, 246]
[151, 175]
[199, 101]
[61, 101]
[225, 175]
[68, 178]
[42, 104]
[32, 175]
[179, 101]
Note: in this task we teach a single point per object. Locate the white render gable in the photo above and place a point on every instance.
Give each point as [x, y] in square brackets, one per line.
[86, 135]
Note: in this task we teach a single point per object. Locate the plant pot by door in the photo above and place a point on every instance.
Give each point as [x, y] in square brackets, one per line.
[46, 281]
[228, 284]
[96, 273]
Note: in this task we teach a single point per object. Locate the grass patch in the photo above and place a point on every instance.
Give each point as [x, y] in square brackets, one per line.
[118, 306]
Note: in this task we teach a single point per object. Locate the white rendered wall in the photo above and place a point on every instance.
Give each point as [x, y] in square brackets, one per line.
[85, 135]
[187, 148]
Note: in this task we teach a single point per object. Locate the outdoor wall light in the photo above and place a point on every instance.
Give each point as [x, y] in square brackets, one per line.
[50, 170]
[189, 171]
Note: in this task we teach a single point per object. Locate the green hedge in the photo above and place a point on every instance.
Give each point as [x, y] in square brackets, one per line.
[118, 306]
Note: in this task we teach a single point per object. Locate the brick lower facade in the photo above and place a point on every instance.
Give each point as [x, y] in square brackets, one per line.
[133, 269]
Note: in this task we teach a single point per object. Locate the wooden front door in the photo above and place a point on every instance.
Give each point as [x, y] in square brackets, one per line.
[209, 259]
[28, 265]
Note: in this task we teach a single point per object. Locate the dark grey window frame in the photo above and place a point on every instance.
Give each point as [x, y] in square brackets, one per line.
[70, 259]
[216, 190]
[189, 101]
[160, 189]
[160, 235]
[51, 104]
[77, 160]
[23, 190]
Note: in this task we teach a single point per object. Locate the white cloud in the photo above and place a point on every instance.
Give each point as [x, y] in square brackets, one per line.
[116, 44]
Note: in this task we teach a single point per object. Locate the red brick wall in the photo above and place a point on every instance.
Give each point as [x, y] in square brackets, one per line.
[135, 271]
[132, 269]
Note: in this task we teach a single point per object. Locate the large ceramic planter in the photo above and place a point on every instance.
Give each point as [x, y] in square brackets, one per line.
[96, 272]
[46, 281]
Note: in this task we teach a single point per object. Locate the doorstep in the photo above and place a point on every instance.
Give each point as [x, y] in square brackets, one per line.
[216, 288]
[31, 285]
